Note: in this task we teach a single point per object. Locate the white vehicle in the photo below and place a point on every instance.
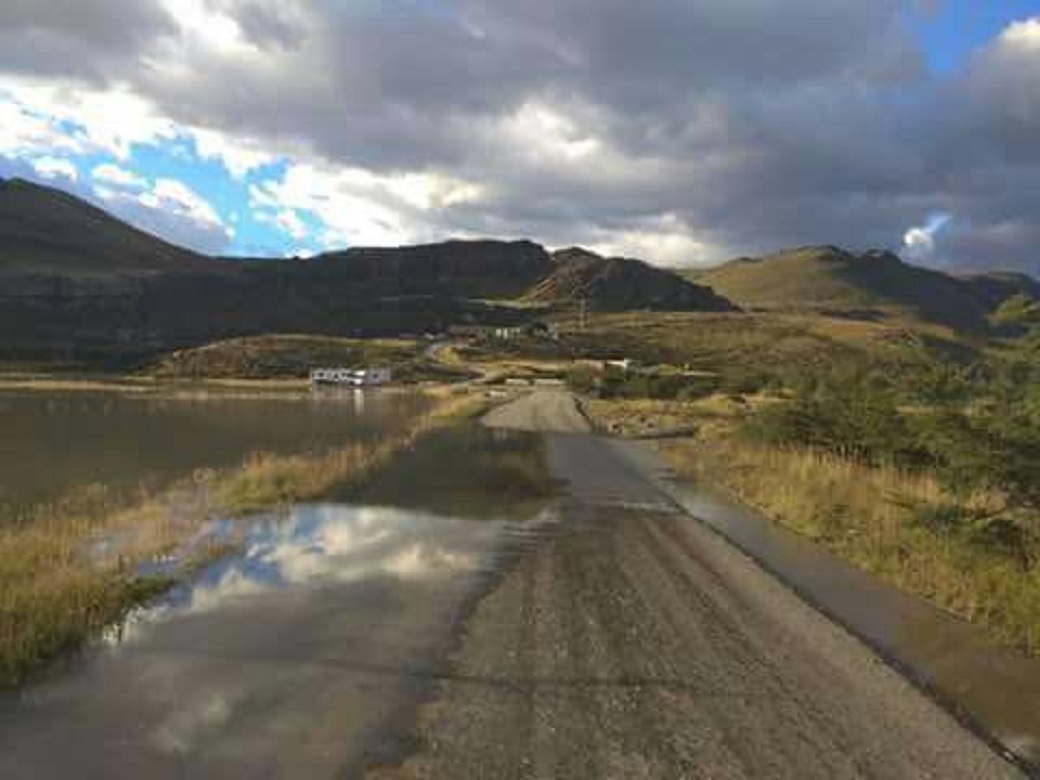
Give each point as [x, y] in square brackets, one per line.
[352, 377]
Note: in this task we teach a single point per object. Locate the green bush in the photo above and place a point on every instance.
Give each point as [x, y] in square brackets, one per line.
[850, 416]
[977, 428]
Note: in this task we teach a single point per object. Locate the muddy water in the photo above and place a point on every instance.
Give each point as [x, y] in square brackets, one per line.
[995, 689]
[306, 654]
[51, 443]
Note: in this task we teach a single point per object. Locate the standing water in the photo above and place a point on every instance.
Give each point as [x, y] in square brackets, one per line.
[307, 652]
[52, 443]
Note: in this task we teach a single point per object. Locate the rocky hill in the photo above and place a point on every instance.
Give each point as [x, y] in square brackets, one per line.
[473, 269]
[620, 284]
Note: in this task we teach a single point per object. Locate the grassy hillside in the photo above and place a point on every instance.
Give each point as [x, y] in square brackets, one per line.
[288, 356]
[831, 280]
[44, 230]
[757, 345]
[1019, 311]
[285, 356]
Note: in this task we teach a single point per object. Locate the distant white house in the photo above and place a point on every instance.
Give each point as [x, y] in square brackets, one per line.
[352, 377]
[496, 332]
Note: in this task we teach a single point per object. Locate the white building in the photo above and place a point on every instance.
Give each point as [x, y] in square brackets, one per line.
[353, 377]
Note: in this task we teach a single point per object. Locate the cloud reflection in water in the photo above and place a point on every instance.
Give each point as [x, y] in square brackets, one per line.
[324, 545]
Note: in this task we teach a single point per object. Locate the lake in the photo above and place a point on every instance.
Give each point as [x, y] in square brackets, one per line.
[54, 442]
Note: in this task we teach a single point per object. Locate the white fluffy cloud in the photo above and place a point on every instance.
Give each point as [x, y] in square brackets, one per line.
[24, 132]
[109, 120]
[238, 155]
[55, 168]
[286, 220]
[666, 239]
[360, 207]
[177, 197]
[37, 116]
[171, 209]
[113, 175]
[1023, 35]
[919, 242]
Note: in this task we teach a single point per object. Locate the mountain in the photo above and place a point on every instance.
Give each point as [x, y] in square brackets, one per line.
[996, 287]
[47, 231]
[78, 284]
[869, 284]
[474, 269]
[620, 284]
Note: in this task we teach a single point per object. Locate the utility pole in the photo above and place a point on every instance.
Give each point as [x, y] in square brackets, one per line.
[584, 313]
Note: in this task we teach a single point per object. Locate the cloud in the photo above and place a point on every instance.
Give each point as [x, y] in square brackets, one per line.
[359, 207]
[113, 175]
[287, 221]
[919, 242]
[172, 210]
[55, 168]
[682, 131]
[178, 198]
[97, 40]
[24, 132]
[109, 120]
[239, 156]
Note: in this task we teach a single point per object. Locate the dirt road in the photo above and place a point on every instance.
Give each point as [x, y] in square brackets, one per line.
[631, 642]
[547, 411]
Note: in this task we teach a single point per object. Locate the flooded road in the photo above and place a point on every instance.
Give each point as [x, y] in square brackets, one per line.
[306, 655]
[495, 604]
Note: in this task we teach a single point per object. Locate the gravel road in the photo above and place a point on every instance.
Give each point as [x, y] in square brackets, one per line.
[631, 642]
[547, 411]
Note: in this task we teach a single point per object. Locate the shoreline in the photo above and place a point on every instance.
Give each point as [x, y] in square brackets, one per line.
[98, 557]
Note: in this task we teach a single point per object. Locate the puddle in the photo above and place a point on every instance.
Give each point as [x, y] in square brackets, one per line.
[306, 654]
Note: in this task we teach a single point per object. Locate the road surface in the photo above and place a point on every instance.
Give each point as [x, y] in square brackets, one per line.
[632, 642]
[547, 411]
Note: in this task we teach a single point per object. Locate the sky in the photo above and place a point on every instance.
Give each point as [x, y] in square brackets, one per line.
[683, 132]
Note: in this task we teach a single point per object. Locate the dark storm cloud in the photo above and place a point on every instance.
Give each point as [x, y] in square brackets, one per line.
[749, 124]
[85, 38]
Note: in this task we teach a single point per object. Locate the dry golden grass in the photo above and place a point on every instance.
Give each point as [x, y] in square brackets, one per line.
[72, 568]
[753, 342]
[860, 512]
[644, 417]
